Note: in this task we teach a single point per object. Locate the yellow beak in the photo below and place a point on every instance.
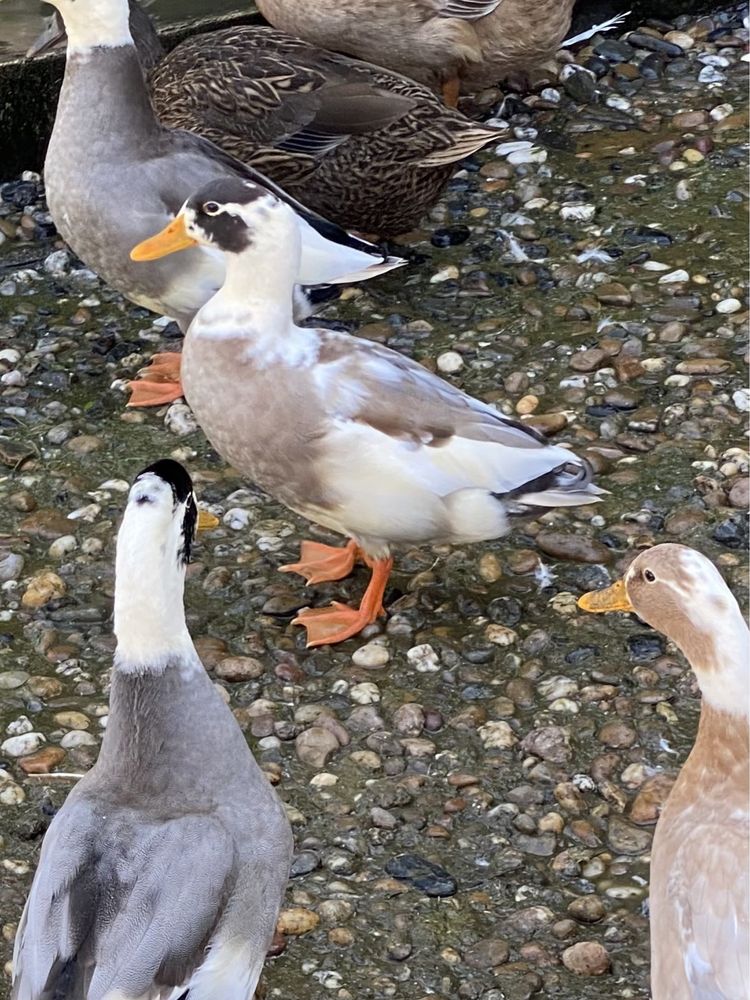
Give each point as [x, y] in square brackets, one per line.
[172, 238]
[614, 598]
[206, 520]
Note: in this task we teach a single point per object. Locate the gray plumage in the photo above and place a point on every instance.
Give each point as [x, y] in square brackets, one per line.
[165, 868]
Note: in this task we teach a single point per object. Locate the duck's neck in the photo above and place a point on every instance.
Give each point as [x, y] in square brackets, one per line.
[104, 101]
[720, 659]
[149, 614]
[255, 304]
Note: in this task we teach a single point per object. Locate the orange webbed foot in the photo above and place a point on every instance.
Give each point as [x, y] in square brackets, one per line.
[337, 622]
[159, 382]
[451, 91]
[319, 563]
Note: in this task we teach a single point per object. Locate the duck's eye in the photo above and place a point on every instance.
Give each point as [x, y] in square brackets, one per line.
[211, 208]
[648, 575]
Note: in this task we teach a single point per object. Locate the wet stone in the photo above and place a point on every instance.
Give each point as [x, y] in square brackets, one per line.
[487, 954]
[625, 838]
[424, 875]
[587, 958]
[239, 668]
[576, 548]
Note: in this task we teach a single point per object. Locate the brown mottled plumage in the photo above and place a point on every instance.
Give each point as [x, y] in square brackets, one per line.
[700, 888]
[360, 144]
[476, 42]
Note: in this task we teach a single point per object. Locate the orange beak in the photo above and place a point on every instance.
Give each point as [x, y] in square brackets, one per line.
[614, 598]
[171, 239]
[206, 520]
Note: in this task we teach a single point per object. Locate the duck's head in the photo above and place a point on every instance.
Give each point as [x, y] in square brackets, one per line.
[680, 592]
[53, 35]
[232, 215]
[153, 549]
[89, 24]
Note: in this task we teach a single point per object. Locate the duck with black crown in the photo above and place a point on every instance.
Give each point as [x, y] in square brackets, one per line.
[163, 873]
[345, 432]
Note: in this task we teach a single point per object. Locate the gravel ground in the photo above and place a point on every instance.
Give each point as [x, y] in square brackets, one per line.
[474, 782]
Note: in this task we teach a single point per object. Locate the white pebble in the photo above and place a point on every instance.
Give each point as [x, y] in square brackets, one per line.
[654, 265]
[19, 726]
[711, 75]
[534, 155]
[423, 658]
[373, 654]
[679, 275]
[10, 355]
[365, 693]
[578, 213]
[236, 518]
[20, 746]
[58, 263]
[63, 546]
[77, 738]
[450, 362]
[449, 273]
[179, 419]
[721, 111]
[92, 546]
[677, 381]
[324, 780]
[728, 306]
[12, 794]
[741, 399]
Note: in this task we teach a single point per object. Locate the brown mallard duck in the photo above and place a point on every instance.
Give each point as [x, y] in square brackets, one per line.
[456, 45]
[361, 145]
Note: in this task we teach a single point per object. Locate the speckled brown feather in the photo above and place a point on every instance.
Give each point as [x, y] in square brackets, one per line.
[255, 91]
[421, 39]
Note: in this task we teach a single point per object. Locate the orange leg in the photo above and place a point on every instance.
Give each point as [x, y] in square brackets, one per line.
[338, 621]
[159, 382]
[318, 562]
[451, 91]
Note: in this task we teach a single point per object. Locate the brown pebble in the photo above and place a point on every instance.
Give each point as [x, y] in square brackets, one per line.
[46, 524]
[587, 909]
[487, 954]
[650, 799]
[690, 119]
[617, 734]
[42, 761]
[614, 294]
[547, 423]
[523, 561]
[682, 520]
[23, 501]
[577, 548]
[739, 494]
[586, 958]
[297, 920]
[703, 366]
[588, 360]
[239, 668]
[210, 650]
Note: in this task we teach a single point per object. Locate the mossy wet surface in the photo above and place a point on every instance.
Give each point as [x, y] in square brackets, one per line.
[508, 644]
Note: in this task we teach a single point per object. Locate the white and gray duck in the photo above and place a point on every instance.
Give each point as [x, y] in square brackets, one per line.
[114, 174]
[346, 432]
[162, 874]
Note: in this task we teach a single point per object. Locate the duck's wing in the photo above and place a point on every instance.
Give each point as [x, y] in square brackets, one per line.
[259, 86]
[330, 254]
[386, 404]
[466, 10]
[712, 904]
[119, 904]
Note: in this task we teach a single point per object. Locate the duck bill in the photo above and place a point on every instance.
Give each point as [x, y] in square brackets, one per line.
[207, 521]
[52, 35]
[614, 598]
[172, 238]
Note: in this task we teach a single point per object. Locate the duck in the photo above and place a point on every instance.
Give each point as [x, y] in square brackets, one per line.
[345, 432]
[113, 174]
[163, 872]
[455, 46]
[699, 900]
[365, 147]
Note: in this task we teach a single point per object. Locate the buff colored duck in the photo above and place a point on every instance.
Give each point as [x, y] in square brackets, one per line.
[113, 173]
[453, 45]
[346, 432]
[163, 873]
[365, 147]
[700, 885]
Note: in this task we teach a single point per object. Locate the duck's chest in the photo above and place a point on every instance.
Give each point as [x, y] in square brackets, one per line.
[260, 414]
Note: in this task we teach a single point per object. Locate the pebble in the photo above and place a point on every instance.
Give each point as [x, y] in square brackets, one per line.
[43, 588]
[371, 656]
[315, 746]
[11, 679]
[497, 736]
[22, 745]
[587, 958]
[295, 921]
[42, 761]
[728, 306]
[429, 878]
[236, 669]
[576, 548]
[487, 954]
[450, 362]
